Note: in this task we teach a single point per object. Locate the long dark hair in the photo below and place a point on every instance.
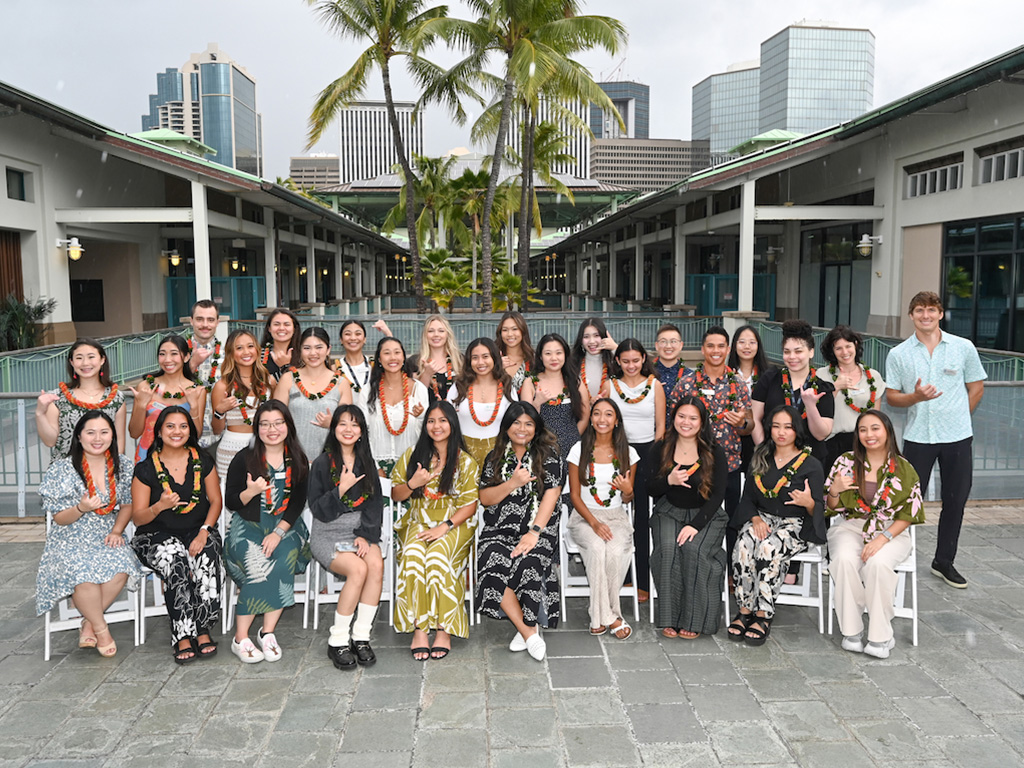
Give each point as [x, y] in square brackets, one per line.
[315, 332]
[579, 354]
[620, 444]
[524, 345]
[424, 451]
[759, 461]
[370, 484]
[182, 347]
[104, 369]
[705, 444]
[170, 410]
[860, 453]
[377, 372]
[256, 458]
[77, 453]
[543, 446]
[467, 376]
[761, 364]
[633, 345]
[296, 332]
[570, 372]
[232, 375]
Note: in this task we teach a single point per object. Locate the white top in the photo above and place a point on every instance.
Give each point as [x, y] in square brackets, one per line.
[603, 473]
[637, 418]
[357, 375]
[845, 419]
[483, 411]
[594, 367]
[383, 444]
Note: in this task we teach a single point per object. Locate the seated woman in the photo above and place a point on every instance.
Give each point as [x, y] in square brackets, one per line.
[519, 486]
[691, 474]
[175, 505]
[877, 495]
[348, 509]
[439, 479]
[781, 512]
[85, 554]
[605, 463]
[267, 539]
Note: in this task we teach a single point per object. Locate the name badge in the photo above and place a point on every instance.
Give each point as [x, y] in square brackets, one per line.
[708, 392]
[279, 475]
[949, 371]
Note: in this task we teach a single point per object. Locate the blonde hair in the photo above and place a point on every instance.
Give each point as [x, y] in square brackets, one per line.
[451, 348]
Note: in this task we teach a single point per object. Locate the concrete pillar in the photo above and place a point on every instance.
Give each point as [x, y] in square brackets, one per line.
[679, 258]
[638, 263]
[339, 269]
[270, 257]
[594, 288]
[201, 240]
[746, 254]
[358, 274]
[310, 266]
[613, 273]
[787, 273]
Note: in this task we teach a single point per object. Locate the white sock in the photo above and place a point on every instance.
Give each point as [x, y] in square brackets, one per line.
[365, 615]
[339, 630]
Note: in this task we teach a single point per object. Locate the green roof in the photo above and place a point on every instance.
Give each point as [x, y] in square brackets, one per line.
[169, 137]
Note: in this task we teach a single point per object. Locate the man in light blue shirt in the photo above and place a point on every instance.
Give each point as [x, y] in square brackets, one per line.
[939, 378]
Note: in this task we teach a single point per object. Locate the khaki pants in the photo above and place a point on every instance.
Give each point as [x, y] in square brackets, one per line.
[606, 562]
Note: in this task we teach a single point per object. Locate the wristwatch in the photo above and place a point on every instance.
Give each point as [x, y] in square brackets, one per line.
[535, 528]
[207, 528]
[450, 523]
[887, 535]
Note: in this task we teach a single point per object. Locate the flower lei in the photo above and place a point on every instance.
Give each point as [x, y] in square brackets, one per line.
[426, 490]
[261, 396]
[509, 467]
[213, 367]
[69, 396]
[557, 399]
[345, 498]
[604, 375]
[355, 379]
[787, 476]
[872, 511]
[497, 406]
[195, 467]
[787, 389]
[406, 395]
[592, 481]
[872, 398]
[699, 378]
[638, 398]
[269, 496]
[151, 381]
[90, 484]
[447, 375]
[314, 395]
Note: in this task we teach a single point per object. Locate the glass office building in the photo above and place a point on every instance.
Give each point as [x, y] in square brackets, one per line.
[633, 100]
[725, 107]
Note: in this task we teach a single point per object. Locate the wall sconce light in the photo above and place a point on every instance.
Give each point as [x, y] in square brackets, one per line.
[346, 273]
[234, 263]
[867, 243]
[303, 271]
[173, 256]
[73, 246]
[324, 272]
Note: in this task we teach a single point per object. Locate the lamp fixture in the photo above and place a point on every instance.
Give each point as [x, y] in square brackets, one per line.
[346, 273]
[303, 270]
[73, 246]
[867, 244]
[173, 256]
[324, 273]
[234, 263]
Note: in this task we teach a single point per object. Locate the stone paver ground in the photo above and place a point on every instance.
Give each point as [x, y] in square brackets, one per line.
[955, 700]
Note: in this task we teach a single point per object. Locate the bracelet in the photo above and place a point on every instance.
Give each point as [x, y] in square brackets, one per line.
[281, 532]
[78, 508]
[832, 495]
[217, 415]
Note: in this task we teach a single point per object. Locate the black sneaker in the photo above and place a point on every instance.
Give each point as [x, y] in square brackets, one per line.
[949, 574]
[341, 656]
[363, 652]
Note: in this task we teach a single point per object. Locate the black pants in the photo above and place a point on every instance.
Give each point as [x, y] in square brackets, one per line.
[732, 500]
[642, 515]
[956, 469]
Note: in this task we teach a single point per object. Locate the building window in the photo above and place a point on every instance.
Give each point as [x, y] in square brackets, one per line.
[940, 175]
[1002, 166]
[19, 185]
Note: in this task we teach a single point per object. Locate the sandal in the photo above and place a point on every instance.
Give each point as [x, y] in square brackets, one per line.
[642, 596]
[757, 636]
[597, 631]
[741, 622]
[180, 656]
[424, 651]
[622, 626]
[86, 639]
[106, 650]
[685, 634]
[206, 650]
[669, 632]
[439, 653]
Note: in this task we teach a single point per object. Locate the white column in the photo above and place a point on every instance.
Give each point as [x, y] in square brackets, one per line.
[679, 258]
[201, 240]
[638, 263]
[593, 270]
[358, 281]
[310, 266]
[374, 291]
[270, 257]
[613, 272]
[339, 269]
[746, 255]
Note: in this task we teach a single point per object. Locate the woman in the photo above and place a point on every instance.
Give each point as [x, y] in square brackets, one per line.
[87, 496]
[348, 511]
[513, 342]
[88, 389]
[604, 462]
[439, 480]
[781, 512]
[267, 540]
[243, 386]
[877, 496]
[688, 523]
[857, 387]
[481, 395]
[176, 502]
[641, 401]
[355, 366]
[519, 488]
[393, 402]
[557, 393]
[172, 385]
[592, 356]
[280, 342]
[439, 362]
[313, 390]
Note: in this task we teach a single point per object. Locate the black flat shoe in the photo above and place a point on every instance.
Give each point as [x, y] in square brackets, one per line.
[341, 656]
[363, 652]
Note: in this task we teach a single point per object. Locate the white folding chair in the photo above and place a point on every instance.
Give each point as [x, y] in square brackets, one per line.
[900, 608]
[811, 560]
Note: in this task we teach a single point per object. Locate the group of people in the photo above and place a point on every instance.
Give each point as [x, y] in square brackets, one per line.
[643, 455]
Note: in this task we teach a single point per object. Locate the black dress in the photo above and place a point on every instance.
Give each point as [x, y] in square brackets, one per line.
[768, 390]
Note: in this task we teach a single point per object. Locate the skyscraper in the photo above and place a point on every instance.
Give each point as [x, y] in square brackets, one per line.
[633, 100]
[577, 138]
[725, 107]
[366, 139]
[316, 170]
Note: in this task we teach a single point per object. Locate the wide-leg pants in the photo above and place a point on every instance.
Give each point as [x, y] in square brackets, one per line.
[606, 562]
[759, 566]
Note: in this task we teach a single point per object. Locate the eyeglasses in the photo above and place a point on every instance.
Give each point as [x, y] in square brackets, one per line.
[272, 424]
[669, 342]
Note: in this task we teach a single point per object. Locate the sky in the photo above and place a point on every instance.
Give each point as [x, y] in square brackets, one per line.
[99, 58]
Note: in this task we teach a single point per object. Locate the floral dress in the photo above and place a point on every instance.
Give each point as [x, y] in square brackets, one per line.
[901, 502]
[69, 414]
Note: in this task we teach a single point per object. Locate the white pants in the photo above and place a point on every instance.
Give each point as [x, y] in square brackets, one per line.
[864, 586]
[606, 562]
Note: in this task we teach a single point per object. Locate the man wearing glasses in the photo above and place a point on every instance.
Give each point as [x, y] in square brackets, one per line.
[667, 365]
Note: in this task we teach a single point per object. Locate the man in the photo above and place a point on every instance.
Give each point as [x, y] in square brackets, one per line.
[939, 378]
[667, 366]
[206, 358]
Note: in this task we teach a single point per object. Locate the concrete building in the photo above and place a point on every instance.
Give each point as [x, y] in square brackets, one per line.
[576, 133]
[633, 101]
[367, 147]
[647, 165]
[317, 170]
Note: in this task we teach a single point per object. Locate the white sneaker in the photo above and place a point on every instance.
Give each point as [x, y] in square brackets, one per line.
[518, 643]
[267, 641]
[880, 650]
[536, 646]
[246, 651]
[853, 644]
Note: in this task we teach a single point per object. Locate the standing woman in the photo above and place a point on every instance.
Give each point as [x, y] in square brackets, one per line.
[393, 402]
[176, 502]
[513, 341]
[355, 365]
[280, 342]
[439, 362]
[688, 523]
[592, 356]
[313, 390]
[88, 389]
[87, 496]
[243, 386]
[604, 462]
[267, 539]
[641, 401]
[781, 512]
[877, 495]
[439, 480]
[519, 488]
[171, 385]
[557, 393]
[748, 359]
[348, 510]
[481, 395]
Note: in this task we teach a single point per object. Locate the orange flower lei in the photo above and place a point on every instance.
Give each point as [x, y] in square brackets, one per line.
[557, 399]
[448, 375]
[638, 398]
[406, 395]
[497, 407]
[345, 498]
[787, 476]
[195, 466]
[67, 392]
[787, 389]
[286, 496]
[213, 366]
[90, 484]
[305, 392]
[604, 375]
[240, 396]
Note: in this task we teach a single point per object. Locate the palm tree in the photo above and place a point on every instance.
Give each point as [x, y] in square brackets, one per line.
[432, 188]
[444, 285]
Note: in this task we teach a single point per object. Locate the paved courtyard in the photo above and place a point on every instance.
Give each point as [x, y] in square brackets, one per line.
[955, 700]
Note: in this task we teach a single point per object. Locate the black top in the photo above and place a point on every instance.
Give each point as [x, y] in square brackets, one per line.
[236, 482]
[690, 498]
[754, 502]
[768, 390]
[169, 519]
[327, 506]
[440, 380]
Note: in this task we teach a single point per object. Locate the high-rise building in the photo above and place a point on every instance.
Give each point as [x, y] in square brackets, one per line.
[316, 170]
[367, 143]
[647, 164]
[633, 101]
[577, 138]
[725, 107]
[220, 108]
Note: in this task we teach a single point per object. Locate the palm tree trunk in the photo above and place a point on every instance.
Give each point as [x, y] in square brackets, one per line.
[410, 191]
[492, 188]
[526, 205]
